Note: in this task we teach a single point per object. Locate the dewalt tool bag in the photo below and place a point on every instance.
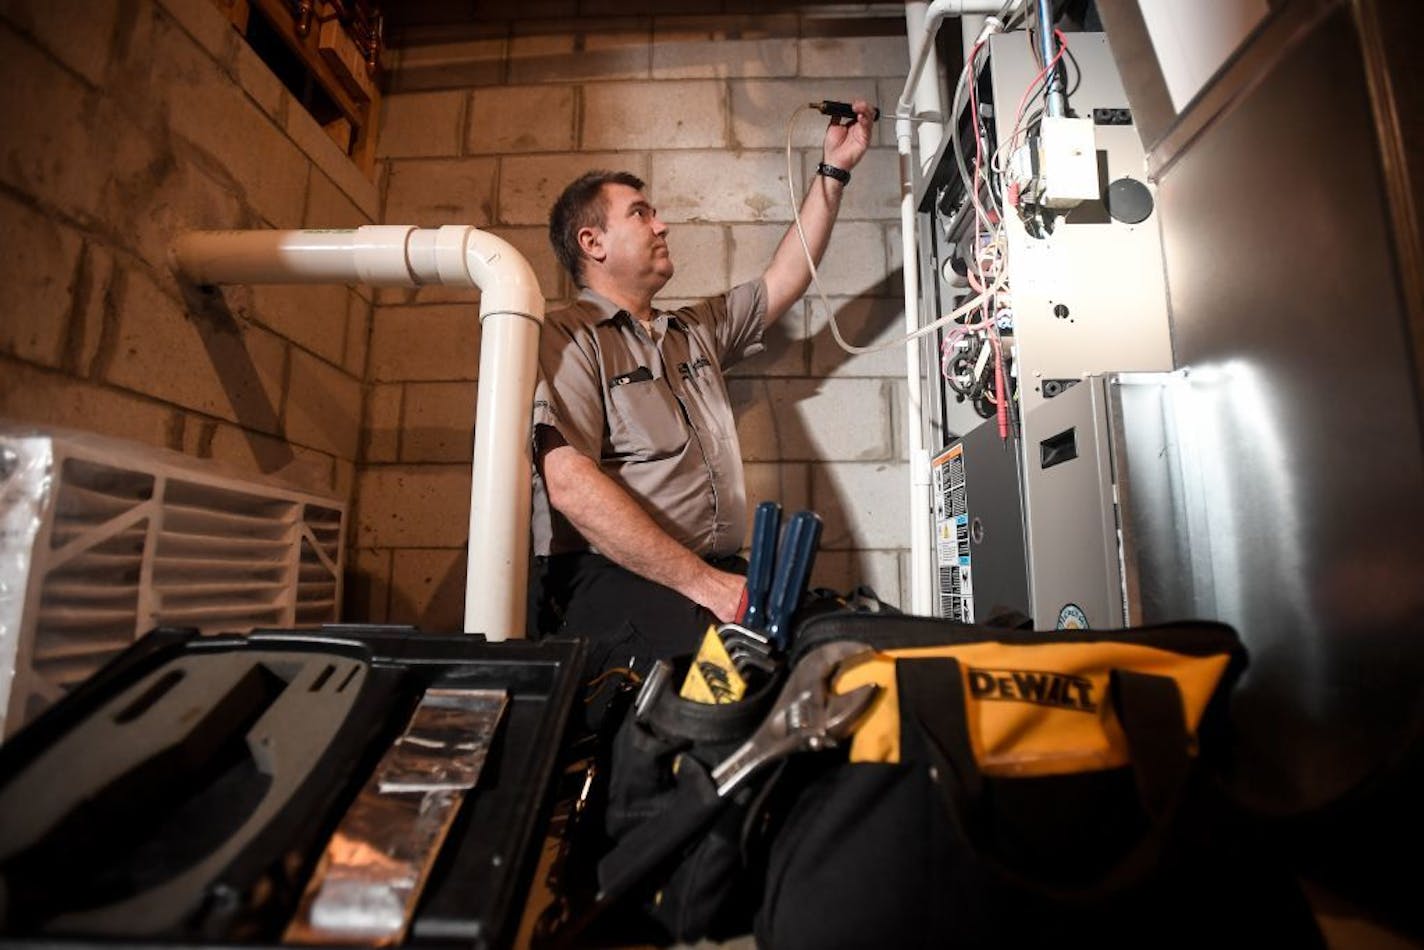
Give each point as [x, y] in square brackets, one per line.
[1010, 788]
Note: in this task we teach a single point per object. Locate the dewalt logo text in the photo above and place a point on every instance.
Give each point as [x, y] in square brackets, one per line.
[1032, 686]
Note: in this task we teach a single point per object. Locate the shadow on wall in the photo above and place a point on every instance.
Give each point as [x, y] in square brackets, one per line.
[789, 428]
[221, 333]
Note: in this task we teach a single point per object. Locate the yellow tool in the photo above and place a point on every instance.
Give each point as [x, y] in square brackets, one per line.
[713, 678]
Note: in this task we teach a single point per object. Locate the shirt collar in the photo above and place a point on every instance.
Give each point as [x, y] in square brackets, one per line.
[609, 311]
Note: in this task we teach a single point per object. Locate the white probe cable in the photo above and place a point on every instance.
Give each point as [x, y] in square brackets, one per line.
[972, 304]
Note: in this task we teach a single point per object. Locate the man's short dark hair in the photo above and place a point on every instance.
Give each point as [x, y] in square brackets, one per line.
[582, 205]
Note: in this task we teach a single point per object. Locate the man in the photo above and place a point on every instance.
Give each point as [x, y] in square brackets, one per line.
[639, 499]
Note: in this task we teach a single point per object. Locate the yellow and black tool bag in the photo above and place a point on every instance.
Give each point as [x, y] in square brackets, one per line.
[1012, 788]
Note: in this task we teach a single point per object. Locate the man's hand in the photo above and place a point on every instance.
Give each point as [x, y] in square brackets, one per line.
[721, 593]
[846, 144]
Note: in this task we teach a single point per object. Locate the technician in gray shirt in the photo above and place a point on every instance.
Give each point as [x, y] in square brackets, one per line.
[640, 503]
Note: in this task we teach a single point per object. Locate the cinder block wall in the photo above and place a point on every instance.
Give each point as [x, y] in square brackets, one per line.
[485, 124]
[125, 123]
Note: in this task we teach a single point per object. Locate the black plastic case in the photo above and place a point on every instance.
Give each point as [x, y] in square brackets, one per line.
[152, 819]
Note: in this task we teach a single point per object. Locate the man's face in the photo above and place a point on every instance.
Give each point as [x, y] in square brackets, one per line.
[633, 240]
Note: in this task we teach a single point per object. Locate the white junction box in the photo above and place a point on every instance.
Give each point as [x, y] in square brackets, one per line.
[1068, 161]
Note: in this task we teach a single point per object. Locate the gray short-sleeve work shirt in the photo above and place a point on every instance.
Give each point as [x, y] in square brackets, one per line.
[652, 411]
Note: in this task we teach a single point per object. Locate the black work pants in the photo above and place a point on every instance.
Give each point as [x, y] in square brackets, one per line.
[628, 620]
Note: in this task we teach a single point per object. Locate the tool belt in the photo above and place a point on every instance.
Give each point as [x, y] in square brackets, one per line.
[1012, 788]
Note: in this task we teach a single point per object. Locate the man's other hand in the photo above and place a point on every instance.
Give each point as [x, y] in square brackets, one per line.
[720, 592]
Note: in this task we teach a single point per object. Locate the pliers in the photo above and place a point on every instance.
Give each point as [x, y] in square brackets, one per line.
[807, 714]
[776, 579]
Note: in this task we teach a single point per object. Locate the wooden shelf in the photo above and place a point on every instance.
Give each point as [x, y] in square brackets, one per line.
[330, 71]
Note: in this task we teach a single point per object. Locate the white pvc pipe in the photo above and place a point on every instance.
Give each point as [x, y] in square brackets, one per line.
[922, 53]
[921, 535]
[511, 313]
[927, 98]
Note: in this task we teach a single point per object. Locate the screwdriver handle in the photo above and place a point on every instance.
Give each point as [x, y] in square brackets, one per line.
[765, 525]
[793, 569]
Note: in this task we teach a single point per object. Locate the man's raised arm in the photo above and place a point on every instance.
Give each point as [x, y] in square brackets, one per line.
[788, 276]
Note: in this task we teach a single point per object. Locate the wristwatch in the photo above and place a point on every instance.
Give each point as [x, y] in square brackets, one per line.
[831, 171]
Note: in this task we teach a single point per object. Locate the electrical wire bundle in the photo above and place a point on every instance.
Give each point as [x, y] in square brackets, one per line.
[976, 359]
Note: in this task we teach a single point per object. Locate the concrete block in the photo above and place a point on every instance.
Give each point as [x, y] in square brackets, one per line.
[428, 589]
[812, 419]
[720, 186]
[312, 315]
[358, 334]
[787, 483]
[666, 114]
[313, 142]
[343, 478]
[529, 184]
[580, 50]
[438, 424]
[425, 343]
[202, 104]
[843, 571]
[694, 47]
[474, 60]
[93, 309]
[421, 124]
[699, 253]
[260, 83]
[245, 452]
[864, 505]
[366, 587]
[79, 33]
[29, 394]
[329, 207]
[206, 25]
[323, 407]
[863, 321]
[521, 119]
[849, 47]
[785, 353]
[205, 106]
[894, 285]
[381, 431]
[762, 107]
[41, 274]
[752, 246]
[431, 192]
[874, 191]
[219, 365]
[413, 506]
[429, 294]
[854, 263]
[50, 120]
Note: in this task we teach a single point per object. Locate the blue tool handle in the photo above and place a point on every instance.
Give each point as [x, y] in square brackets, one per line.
[793, 569]
[759, 567]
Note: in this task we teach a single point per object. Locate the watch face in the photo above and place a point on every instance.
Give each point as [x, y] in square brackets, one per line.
[1071, 617]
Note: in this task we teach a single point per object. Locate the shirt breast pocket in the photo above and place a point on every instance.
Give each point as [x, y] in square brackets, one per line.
[646, 421]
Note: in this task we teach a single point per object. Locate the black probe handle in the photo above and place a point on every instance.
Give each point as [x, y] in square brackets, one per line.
[841, 110]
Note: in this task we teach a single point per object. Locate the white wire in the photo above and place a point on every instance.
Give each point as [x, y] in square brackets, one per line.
[851, 348]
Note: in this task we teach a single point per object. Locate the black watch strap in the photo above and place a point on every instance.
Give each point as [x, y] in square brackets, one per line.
[831, 171]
